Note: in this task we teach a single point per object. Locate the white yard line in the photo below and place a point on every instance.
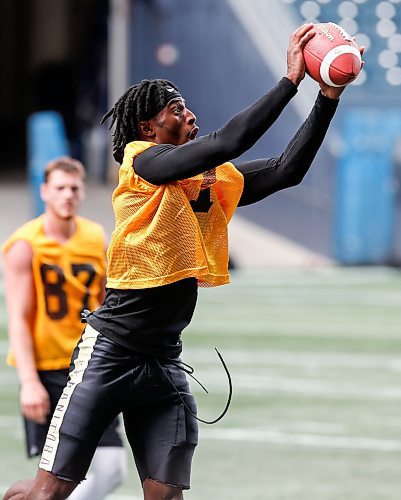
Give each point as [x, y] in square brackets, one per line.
[263, 386]
[268, 358]
[264, 327]
[328, 276]
[277, 437]
[10, 421]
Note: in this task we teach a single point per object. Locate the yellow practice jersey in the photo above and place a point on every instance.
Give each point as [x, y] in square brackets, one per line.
[68, 278]
[173, 231]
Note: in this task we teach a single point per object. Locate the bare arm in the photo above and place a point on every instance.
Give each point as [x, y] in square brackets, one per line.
[20, 299]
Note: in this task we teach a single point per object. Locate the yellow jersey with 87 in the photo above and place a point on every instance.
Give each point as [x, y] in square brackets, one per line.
[67, 278]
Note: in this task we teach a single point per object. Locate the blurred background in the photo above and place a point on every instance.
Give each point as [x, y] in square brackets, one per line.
[76, 57]
[311, 323]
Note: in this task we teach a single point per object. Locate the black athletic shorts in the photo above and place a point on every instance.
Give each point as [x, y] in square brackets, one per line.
[107, 380]
[35, 434]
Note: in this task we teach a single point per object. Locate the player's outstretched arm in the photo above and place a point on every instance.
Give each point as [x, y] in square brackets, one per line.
[266, 176]
[165, 163]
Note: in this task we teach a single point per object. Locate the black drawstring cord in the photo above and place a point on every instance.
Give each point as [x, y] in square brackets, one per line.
[84, 314]
[189, 370]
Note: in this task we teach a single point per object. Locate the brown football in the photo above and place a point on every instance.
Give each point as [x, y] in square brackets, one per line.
[332, 56]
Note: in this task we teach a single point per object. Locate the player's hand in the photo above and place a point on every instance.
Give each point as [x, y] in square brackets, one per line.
[295, 56]
[335, 92]
[34, 401]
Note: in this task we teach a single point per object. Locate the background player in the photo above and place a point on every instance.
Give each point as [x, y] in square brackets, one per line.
[172, 205]
[54, 267]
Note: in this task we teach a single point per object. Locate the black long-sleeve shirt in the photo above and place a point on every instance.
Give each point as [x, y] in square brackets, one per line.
[151, 320]
[167, 163]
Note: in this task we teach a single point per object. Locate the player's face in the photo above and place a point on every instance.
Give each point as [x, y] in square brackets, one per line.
[175, 124]
[63, 194]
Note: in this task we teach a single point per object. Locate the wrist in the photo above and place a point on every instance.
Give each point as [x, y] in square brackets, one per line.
[29, 380]
[294, 78]
[332, 92]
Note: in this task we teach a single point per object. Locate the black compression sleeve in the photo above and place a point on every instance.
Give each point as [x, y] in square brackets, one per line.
[166, 163]
[266, 176]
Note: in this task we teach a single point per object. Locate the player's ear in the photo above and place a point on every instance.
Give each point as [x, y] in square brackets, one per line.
[43, 187]
[83, 192]
[146, 129]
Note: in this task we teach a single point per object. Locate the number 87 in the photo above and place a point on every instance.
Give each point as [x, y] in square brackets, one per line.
[54, 288]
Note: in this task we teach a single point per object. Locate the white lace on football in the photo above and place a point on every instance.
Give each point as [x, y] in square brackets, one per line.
[341, 30]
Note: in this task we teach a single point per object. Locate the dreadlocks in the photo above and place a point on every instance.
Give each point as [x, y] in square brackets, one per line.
[140, 102]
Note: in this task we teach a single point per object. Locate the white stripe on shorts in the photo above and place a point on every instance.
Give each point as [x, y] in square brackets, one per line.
[81, 362]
